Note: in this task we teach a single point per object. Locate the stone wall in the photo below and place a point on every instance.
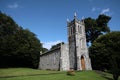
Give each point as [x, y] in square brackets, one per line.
[50, 60]
[72, 55]
[64, 57]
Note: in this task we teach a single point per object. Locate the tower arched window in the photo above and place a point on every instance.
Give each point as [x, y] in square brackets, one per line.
[79, 29]
[71, 30]
[82, 43]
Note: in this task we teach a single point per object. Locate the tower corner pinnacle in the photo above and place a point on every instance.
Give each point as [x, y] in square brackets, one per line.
[75, 15]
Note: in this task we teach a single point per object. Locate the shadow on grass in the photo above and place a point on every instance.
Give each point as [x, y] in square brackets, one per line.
[107, 78]
[104, 75]
[30, 75]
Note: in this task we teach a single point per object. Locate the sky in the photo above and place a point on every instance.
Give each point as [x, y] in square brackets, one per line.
[48, 18]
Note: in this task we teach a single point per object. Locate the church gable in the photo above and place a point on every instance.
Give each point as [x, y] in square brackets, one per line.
[50, 60]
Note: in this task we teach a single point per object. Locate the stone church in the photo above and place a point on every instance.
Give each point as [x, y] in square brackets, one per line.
[71, 56]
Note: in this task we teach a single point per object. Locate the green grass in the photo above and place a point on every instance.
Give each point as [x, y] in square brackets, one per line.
[34, 74]
[11, 72]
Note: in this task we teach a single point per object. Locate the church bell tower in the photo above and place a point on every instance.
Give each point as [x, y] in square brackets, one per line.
[78, 52]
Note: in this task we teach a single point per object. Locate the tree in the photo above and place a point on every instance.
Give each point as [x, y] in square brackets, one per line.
[18, 47]
[105, 55]
[96, 27]
[44, 50]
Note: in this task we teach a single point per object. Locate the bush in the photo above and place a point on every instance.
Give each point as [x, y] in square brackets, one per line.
[71, 73]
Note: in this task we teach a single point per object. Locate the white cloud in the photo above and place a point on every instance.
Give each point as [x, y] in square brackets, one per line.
[105, 11]
[101, 11]
[50, 43]
[13, 6]
[93, 9]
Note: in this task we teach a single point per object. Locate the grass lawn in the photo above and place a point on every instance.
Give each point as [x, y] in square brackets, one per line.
[34, 74]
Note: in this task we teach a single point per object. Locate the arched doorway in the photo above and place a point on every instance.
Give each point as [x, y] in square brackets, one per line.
[82, 63]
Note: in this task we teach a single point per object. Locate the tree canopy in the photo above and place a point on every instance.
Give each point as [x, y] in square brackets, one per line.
[18, 46]
[105, 53]
[96, 27]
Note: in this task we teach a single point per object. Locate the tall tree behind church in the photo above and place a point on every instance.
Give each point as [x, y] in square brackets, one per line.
[96, 27]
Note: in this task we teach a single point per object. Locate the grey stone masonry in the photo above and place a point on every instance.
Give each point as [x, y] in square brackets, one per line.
[57, 59]
[50, 60]
[64, 57]
[78, 51]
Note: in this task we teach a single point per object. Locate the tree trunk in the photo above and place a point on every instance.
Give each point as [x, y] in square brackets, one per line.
[115, 76]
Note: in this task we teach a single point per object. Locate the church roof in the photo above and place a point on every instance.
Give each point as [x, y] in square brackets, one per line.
[50, 51]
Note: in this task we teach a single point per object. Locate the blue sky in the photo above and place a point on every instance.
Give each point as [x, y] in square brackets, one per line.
[47, 18]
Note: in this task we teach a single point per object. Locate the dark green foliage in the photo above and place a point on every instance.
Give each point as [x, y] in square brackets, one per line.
[57, 45]
[96, 27]
[18, 47]
[105, 53]
[44, 50]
